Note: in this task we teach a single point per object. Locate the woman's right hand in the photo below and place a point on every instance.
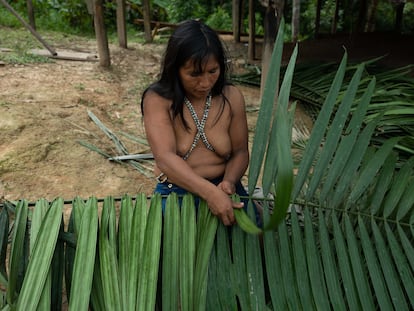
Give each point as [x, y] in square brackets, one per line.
[221, 205]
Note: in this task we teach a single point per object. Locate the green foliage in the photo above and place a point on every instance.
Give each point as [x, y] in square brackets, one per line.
[65, 16]
[385, 16]
[220, 19]
[408, 23]
[72, 16]
[308, 15]
[258, 24]
[7, 19]
[180, 10]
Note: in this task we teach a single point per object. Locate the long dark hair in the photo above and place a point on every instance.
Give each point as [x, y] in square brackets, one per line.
[191, 40]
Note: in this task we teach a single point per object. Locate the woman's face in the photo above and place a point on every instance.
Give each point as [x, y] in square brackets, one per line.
[197, 84]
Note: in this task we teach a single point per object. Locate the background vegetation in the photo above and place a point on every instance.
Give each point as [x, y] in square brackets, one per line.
[72, 16]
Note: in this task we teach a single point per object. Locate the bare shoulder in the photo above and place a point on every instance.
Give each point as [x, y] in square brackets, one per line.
[232, 91]
[234, 96]
[153, 100]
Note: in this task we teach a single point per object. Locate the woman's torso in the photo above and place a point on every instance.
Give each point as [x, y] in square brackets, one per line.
[205, 162]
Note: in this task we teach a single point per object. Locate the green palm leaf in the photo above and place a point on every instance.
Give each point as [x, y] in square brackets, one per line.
[41, 258]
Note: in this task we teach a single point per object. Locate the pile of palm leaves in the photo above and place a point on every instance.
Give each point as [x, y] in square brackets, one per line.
[339, 235]
[392, 99]
[393, 96]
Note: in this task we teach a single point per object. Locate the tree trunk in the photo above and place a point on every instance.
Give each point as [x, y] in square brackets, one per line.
[100, 32]
[334, 24]
[121, 24]
[363, 5]
[295, 20]
[236, 7]
[318, 18]
[147, 21]
[371, 13]
[273, 16]
[252, 32]
[30, 13]
[399, 16]
[90, 5]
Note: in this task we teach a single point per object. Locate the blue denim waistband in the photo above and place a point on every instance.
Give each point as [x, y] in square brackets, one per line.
[166, 188]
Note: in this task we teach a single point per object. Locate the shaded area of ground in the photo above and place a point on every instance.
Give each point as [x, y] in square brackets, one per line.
[395, 50]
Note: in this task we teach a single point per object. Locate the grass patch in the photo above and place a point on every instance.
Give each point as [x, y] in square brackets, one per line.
[16, 44]
[23, 58]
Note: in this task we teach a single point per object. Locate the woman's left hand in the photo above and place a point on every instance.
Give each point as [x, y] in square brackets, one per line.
[227, 186]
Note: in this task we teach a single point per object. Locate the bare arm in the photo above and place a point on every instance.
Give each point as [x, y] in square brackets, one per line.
[237, 164]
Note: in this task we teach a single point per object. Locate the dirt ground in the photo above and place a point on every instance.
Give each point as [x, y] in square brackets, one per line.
[44, 114]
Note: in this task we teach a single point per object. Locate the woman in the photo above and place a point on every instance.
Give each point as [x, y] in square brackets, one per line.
[195, 121]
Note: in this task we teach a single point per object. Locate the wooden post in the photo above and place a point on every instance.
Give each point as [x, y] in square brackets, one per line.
[371, 16]
[147, 21]
[252, 32]
[399, 13]
[295, 20]
[318, 18]
[236, 8]
[273, 18]
[30, 13]
[271, 26]
[121, 23]
[100, 32]
[362, 16]
[334, 24]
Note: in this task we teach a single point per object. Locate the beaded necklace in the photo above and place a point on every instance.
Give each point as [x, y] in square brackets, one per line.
[200, 125]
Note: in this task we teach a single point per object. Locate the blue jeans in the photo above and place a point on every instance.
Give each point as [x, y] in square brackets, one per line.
[166, 188]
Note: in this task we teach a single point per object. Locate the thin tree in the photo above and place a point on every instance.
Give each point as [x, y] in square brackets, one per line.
[30, 13]
[371, 14]
[318, 18]
[147, 20]
[295, 20]
[121, 24]
[334, 23]
[236, 7]
[252, 32]
[362, 16]
[399, 12]
[101, 36]
[273, 16]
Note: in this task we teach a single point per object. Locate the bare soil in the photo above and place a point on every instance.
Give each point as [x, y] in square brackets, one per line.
[44, 115]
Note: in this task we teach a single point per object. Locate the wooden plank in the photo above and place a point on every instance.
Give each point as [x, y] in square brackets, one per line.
[67, 55]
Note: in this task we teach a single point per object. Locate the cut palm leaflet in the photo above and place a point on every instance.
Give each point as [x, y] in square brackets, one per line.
[140, 161]
[339, 234]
